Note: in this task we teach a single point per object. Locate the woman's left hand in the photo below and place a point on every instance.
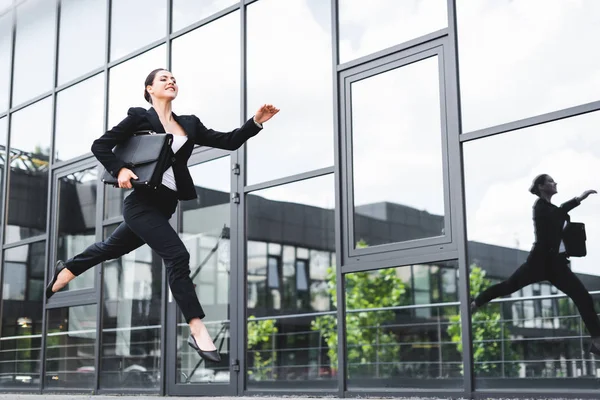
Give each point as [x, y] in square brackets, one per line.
[585, 194]
[265, 113]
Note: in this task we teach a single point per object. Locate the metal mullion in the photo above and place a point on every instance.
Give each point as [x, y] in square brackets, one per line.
[34, 100]
[203, 22]
[290, 179]
[23, 242]
[138, 52]
[241, 229]
[532, 121]
[407, 392]
[403, 259]
[80, 79]
[81, 297]
[456, 171]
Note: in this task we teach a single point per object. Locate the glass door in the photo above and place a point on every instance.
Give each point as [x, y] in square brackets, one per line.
[204, 226]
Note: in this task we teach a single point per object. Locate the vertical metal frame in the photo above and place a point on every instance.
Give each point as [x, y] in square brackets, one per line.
[423, 246]
[456, 171]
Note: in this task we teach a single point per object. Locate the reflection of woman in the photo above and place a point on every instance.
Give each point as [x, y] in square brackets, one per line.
[548, 259]
[146, 212]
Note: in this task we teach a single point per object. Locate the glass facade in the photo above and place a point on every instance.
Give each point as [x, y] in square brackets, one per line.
[337, 252]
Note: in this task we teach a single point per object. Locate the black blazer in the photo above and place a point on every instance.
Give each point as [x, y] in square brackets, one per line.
[549, 221]
[141, 119]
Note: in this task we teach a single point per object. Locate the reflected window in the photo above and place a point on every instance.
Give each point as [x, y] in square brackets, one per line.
[77, 221]
[34, 49]
[132, 323]
[399, 156]
[295, 140]
[70, 347]
[404, 341]
[188, 12]
[113, 200]
[79, 118]
[5, 56]
[366, 27]
[29, 154]
[510, 72]
[290, 272]
[81, 21]
[135, 24]
[210, 90]
[3, 140]
[126, 83]
[205, 231]
[22, 289]
[500, 235]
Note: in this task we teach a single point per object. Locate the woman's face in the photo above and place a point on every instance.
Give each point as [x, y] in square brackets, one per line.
[549, 186]
[164, 86]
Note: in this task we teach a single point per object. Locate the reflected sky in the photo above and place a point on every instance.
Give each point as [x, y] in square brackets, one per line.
[187, 12]
[5, 47]
[498, 201]
[509, 71]
[370, 26]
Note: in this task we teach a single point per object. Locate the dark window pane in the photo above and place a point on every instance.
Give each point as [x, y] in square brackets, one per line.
[397, 344]
[70, 347]
[5, 54]
[34, 49]
[299, 219]
[28, 187]
[500, 234]
[210, 90]
[300, 137]
[113, 200]
[126, 83]
[389, 157]
[81, 21]
[22, 316]
[369, 26]
[79, 118]
[187, 12]
[132, 322]
[134, 24]
[77, 220]
[509, 71]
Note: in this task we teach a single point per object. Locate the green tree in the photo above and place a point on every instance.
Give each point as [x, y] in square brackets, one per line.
[487, 332]
[260, 337]
[369, 342]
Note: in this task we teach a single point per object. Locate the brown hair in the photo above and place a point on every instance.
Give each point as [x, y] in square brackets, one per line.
[539, 180]
[149, 81]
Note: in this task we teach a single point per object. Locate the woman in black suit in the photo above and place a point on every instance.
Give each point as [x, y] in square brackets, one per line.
[548, 259]
[146, 212]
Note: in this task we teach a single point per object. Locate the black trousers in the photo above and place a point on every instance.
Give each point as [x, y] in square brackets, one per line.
[146, 213]
[555, 270]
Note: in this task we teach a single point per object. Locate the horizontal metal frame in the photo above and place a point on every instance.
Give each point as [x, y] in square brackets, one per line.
[532, 121]
[407, 257]
[289, 179]
[373, 68]
[394, 49]
[283, 393]
[204, 21]
[24, 242]
[408, 392]
[540, 393]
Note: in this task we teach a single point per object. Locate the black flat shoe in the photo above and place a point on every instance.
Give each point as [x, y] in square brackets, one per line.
[57, 270]
[206, 355]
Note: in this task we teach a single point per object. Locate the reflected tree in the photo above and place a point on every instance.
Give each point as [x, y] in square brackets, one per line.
[260, 341]
[490, 356]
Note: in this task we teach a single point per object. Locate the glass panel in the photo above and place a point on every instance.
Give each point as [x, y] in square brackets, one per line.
[113, 200]
[296, 140]
[79, 114]
[286, 352]
[4, 4]
[187, 12]
[131, 325]
[28, 185]
[21, 339]
[70, 347]
[135, 24]
[535, 345]
[369, 26]
[81, 21]
[407, 155]
[5, 54]
[3, 140]
[509, 71]
[398, 345]
[126, 83]
[34, 49]
[77, 221]
[205, 224]
[210, 90]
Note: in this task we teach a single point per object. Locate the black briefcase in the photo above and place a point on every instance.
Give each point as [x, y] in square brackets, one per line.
[147, 154]
[574, 238]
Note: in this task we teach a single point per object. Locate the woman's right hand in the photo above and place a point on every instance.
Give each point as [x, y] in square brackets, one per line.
[124, 178]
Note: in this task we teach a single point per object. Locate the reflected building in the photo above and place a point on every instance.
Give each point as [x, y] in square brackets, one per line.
[336, 252]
